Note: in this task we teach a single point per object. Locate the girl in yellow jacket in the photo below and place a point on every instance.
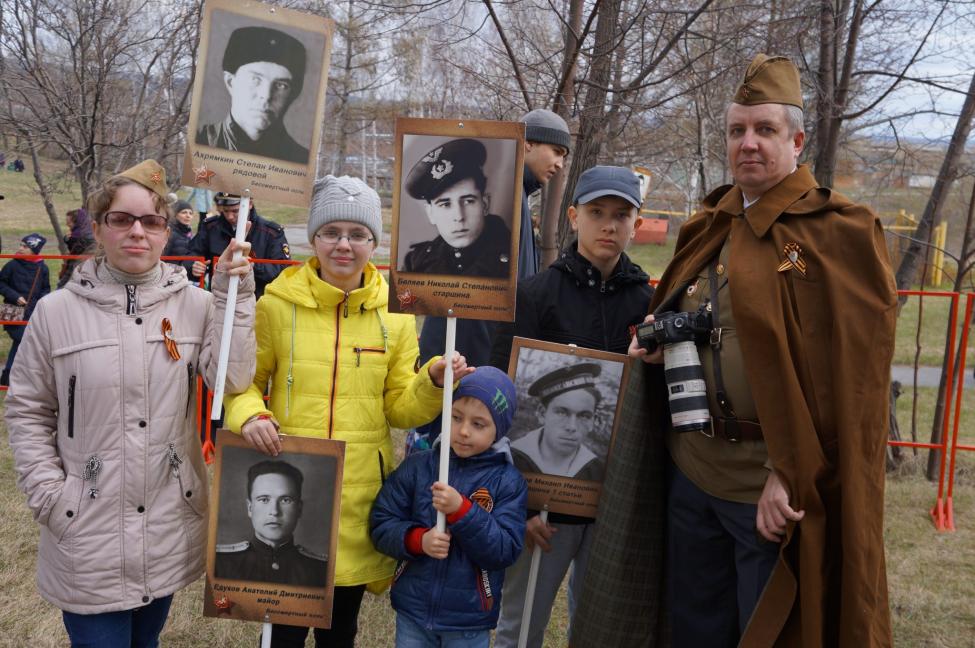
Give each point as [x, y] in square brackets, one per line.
[341, 367]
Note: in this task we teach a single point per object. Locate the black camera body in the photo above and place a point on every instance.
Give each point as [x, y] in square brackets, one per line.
[671, 327]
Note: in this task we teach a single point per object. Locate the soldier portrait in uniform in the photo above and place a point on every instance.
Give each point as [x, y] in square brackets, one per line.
[568, 399]
[258, 101]
[261, 74]
[457, 220]
[274, 518]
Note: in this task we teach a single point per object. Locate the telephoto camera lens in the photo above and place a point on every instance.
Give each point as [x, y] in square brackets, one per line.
[686, 389]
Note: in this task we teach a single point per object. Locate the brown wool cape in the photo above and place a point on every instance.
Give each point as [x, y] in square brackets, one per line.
[817, 352]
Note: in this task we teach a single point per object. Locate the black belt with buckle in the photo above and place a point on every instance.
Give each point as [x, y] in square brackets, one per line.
[735, 430]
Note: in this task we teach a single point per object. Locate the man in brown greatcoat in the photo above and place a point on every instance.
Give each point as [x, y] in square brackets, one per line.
[806, 302]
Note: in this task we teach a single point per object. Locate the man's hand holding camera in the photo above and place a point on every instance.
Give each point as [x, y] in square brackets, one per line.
[637, 351]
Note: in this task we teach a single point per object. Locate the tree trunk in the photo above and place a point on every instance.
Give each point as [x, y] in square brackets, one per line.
[555, 189]
[592, 118]
[826, 92]
[910, 262]
[52, 213]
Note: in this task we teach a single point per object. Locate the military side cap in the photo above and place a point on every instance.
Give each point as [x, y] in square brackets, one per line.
[224, 199]
[770, 79]
[150, 175]
[565, 379]
[253, 44]
[445, 166]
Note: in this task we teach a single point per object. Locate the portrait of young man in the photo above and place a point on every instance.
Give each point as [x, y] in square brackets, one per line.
[271, 555]
[263, 72]
[451, 184]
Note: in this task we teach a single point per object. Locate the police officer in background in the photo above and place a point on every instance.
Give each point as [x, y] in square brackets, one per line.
[274, 507]
[471, 241]
[266, 237]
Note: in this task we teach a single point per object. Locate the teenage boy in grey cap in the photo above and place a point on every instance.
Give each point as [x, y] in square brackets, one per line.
[264, 71]
[590, 296]
[471, 240]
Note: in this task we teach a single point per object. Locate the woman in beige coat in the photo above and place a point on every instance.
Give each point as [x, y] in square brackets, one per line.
[100, 417]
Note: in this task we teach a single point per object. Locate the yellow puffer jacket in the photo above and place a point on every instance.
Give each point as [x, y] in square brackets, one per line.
[302, 325]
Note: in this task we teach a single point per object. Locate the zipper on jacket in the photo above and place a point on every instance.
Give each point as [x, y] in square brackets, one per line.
[382, 467]
[189, 388]
[335, 366]
[360, 350]
[130, 305]
[174, 460]
[72, 382]
[92, 467]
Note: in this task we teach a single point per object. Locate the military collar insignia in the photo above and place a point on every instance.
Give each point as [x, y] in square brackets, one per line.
[793, 259]
[440, 169]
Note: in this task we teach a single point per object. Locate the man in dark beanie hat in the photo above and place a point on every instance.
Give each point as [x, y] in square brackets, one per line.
[23, 281]
[471, 241]
[774, 523]
[264, 71]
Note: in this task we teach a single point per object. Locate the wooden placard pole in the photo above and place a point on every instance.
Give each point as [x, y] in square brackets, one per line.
[448, 400]
[228, 316]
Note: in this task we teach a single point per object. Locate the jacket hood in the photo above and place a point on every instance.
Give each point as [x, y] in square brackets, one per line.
[571, 262]
[113, 296]
[302, 286]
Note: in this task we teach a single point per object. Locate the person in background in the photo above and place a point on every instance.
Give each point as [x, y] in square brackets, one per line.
[202, 201]
[266, 237]
[100, 418]
[79, 240]
[23, 281]
[448, 582]
[180, 235]
[339, 366]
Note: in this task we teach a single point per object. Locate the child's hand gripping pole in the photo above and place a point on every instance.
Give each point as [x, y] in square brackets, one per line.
[228, 316]
[448, 400]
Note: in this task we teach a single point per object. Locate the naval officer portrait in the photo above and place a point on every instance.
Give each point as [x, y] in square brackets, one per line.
[263, 73]
[569, 400]
[274, 506]
[450, 181]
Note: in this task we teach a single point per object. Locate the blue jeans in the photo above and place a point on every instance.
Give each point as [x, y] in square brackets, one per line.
[410, 634]
[138, 628]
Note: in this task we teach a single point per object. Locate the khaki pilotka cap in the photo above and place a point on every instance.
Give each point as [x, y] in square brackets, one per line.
[150, 175]
[770, 79]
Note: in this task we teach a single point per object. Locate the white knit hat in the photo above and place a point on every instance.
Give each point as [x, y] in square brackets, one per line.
[344, 199]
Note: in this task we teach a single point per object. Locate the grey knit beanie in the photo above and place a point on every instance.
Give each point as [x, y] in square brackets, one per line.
[545, 126]
[344, 199]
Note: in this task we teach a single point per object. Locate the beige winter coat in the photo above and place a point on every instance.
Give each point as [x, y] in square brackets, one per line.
[102, 426]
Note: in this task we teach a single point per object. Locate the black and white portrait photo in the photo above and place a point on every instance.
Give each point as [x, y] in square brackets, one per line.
[274, 522]
[260, 88]
[456, 215]
[567, 407]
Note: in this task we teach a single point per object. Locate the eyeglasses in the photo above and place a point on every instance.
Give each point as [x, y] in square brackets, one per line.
[332, 237]
[152, 223]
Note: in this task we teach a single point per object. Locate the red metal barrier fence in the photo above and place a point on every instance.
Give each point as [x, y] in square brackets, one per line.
[942, 513]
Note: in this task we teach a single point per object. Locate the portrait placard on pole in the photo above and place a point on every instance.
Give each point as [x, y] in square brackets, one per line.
[456, 218]
[568, 408]
[258, 101]
[273, 531]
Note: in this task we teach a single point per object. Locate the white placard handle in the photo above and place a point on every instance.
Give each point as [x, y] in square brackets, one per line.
[526, 615]
[448, 401]
[228, 316]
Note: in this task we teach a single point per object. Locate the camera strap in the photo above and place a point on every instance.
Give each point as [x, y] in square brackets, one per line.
[731, 420]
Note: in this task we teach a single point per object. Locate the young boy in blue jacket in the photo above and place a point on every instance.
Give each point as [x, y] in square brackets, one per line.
[447, 589]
